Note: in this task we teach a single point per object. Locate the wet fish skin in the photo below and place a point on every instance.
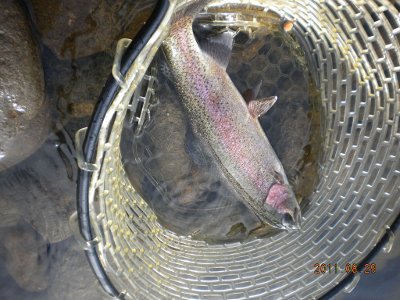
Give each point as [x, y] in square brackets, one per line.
[221, 119]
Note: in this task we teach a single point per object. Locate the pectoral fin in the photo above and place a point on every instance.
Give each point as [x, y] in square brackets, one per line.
[259, 107]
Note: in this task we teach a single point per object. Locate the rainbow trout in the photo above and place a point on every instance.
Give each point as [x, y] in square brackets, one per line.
[228, 126]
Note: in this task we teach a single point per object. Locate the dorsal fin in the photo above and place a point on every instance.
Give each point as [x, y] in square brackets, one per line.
[259, 107]
[218, 47]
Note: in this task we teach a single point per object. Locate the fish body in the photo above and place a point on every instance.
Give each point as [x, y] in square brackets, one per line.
[230, 128]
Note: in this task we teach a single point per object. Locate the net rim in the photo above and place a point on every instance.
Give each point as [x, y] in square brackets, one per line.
[89, 146]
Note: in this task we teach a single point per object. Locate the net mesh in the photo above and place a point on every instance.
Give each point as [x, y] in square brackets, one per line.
[353, 52]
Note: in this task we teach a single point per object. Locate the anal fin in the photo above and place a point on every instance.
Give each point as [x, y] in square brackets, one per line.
[259, 107]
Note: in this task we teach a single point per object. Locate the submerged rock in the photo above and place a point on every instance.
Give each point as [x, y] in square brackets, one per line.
[9, 289]
[173, 162]
[26, 257]
[23, 109]
[9, 213]
[74, 29]
[72, 277]
[39, 190]
[74, 87]
[168, 159]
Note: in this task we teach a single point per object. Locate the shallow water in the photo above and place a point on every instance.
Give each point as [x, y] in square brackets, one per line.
[39, 259]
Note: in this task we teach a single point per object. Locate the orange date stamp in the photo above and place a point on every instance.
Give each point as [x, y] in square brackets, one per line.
[349, 268]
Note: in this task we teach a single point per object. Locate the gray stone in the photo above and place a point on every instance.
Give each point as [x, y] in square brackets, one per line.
[168, 134]
[9, 213]
[41, 190]
[74, 87]
[72, 277]
[23, 110]
[26, 257]
[74, 28]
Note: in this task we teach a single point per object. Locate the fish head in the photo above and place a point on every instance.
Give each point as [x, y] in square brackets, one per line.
[282, 204]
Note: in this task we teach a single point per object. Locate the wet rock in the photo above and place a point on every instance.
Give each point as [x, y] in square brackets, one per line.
[42, 190]
[9, 214]
[287, 138]
[72, 277]
[168, 134]
[75, 86]
[74, 29]
[80, 109]
[166, 159]
[26, 257]
[23, 109]
[9, 289]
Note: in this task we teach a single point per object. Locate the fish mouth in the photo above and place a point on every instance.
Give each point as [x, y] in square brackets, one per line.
[291, 222]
